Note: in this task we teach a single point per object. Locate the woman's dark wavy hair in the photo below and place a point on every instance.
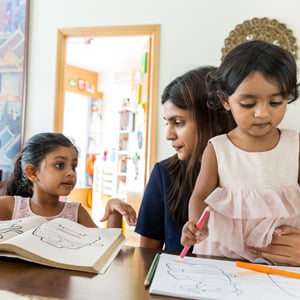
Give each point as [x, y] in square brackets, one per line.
[34, 151]
[273, 62]
[189, 92]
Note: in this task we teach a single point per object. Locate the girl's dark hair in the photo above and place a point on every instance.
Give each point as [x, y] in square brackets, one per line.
[189, 92]
[273, 62]
[34, 151]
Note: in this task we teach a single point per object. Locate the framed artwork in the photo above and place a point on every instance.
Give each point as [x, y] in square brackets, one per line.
[13, 62]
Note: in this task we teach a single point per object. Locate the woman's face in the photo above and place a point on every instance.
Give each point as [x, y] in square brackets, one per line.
[181, 129]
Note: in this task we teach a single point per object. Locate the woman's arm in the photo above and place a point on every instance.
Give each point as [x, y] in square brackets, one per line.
[284, 248]
[151, 219]
[146, 242]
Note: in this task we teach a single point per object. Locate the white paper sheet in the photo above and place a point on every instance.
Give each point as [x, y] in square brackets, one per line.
[200, 278]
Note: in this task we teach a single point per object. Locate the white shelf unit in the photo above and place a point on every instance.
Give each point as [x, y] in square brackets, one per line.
[127, 126]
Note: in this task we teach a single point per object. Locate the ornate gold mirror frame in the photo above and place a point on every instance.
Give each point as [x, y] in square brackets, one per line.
[261, 29]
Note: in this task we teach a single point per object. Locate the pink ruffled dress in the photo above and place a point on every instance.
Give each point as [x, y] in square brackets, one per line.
[258, 191]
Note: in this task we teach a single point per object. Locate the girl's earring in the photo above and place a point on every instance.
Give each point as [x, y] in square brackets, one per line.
[30, 172]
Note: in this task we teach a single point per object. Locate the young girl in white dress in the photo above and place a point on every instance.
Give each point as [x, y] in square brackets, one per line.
[250, 176]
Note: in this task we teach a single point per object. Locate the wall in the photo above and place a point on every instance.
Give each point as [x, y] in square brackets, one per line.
[192, 34]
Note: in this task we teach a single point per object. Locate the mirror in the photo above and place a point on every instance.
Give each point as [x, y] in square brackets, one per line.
[127, 109]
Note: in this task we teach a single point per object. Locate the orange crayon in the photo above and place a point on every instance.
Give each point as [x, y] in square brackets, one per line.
[267, 270]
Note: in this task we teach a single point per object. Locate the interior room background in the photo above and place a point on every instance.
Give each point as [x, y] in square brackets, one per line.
[192, 34]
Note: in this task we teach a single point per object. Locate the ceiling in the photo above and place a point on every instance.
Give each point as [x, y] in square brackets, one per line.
[101, 53]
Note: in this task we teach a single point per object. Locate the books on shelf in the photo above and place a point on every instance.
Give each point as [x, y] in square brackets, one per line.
[60, 243]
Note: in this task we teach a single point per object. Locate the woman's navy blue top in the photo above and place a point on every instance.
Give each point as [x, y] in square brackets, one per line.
[153, 219]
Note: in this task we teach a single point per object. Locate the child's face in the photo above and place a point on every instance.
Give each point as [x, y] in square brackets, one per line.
[256, 105]
[57, 172]
[181, 130]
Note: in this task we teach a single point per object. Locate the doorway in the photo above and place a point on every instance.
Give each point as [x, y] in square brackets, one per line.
[90, 35]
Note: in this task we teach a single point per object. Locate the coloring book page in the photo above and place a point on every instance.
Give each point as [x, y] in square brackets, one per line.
[64, 241]
[11, 228]
[60, 243]
[201, 278]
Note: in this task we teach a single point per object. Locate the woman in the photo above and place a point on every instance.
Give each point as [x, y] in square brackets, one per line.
[190, 124]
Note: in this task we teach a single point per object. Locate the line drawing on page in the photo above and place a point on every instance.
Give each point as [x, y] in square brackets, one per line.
[52, 233]
[60, 236]
[203, 278]
[197, 278]
[14, 226]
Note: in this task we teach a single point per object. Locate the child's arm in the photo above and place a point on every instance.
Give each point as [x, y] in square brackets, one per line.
[190, 235]
[84, 218]
[6, 207]
[206, 182]
[115, 210]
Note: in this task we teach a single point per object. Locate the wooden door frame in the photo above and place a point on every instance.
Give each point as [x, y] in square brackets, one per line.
[153, 31]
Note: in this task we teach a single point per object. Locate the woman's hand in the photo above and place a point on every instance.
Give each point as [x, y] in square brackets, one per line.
[190, 235]
[284, 248]
[115, 209]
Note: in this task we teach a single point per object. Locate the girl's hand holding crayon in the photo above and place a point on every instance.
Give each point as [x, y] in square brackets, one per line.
[191, 235]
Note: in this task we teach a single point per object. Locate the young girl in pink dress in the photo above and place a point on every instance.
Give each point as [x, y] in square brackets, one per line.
[250, 176]
[44, 171]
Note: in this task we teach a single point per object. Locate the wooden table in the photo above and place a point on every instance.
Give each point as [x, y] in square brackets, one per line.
[124, 280]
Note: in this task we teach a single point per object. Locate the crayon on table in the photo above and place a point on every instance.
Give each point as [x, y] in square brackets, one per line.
[151, 271]
[267, 270]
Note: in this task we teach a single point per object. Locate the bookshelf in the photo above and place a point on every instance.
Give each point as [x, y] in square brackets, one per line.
[123, 157]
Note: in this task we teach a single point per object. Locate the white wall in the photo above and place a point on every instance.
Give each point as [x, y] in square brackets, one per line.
[192, 34]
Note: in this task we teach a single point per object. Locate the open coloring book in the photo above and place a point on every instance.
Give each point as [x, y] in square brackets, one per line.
[201, 278]
[60, 243]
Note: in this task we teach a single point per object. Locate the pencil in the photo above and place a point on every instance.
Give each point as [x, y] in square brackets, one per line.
[151, 271]
[199, 225]
[267, 270]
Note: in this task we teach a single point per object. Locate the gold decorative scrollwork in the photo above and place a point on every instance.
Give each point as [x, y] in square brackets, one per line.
[261, 29]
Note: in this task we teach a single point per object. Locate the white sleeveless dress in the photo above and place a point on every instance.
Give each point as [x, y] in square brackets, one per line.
[258, 191]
